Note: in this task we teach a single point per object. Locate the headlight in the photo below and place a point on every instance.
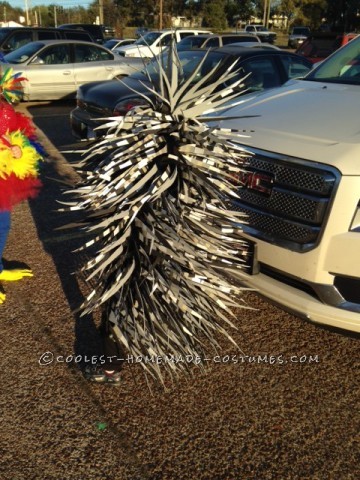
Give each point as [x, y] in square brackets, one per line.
[132, 54]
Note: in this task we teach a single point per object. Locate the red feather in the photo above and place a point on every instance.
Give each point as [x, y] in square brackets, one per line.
[13, 190]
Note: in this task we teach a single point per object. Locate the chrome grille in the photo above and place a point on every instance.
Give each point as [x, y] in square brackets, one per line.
[293, 211]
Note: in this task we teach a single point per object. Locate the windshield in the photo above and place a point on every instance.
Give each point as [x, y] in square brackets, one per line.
[188, 43]
[3, 33]
[148, 39]
[189, 60]
[300, 31]
[342, 67]
[22, 54]
[110, 43]
[262, 29]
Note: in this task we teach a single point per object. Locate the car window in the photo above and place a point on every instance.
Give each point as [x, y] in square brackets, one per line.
[300, 31]
[235, 39]
[242, 38]
[294, 67]
[342, 67]
[111, 43]
[318, 47]
[18, 39]
[166, 40]
[190, 42]
[212, 42]
[43, 35]
[262, 71]
[148, 39]
[91, 53]
[55, 55]
[189, 61]
[3, 33]
[24, 53]
[185, 34]
[78, 35]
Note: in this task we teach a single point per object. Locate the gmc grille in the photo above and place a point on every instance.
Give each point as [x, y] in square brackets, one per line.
[292, 208]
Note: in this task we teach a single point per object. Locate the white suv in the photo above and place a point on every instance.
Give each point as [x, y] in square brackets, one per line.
[301, 190]
[153, 42]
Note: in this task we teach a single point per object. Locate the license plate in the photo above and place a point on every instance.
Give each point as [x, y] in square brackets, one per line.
[90, 134]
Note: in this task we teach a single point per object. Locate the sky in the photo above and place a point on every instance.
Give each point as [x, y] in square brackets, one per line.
[64, 3]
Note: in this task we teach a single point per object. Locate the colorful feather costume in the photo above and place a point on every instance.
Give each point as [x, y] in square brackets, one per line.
[19, 152]
[155, 200]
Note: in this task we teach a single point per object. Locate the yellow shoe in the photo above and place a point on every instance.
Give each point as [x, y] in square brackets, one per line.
[14, 275]
[2, 297]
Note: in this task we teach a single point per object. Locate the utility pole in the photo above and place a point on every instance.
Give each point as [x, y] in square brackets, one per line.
[27, 12]
[101, 12]
[265, 10]
[266, 16]
[160, 14]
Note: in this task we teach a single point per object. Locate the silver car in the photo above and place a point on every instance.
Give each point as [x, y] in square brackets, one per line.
[55, 69]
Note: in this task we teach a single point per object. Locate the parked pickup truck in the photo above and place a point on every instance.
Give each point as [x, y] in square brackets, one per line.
[301, 190]
[152, 43]
[262, 32]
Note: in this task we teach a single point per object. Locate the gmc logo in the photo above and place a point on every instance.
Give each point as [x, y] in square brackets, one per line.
[258, 181]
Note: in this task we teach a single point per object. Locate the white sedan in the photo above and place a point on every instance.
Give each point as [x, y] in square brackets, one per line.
[55, 69]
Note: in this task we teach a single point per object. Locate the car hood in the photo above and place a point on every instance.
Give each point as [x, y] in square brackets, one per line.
[105, 95]
[131, 48]
[304, 119]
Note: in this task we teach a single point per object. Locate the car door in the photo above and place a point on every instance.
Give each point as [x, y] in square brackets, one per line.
[50, 73]
[93, 63]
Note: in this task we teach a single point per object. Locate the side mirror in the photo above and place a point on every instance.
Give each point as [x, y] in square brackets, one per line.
[37, 61]
[6, 48]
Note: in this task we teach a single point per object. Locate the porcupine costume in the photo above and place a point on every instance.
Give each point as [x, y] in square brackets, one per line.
[154, 196]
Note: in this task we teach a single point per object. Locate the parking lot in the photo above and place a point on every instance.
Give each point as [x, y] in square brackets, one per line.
[283, 406]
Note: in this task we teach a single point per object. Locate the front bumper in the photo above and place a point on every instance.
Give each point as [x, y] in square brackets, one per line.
[295, 42]
[83, 126]
[303, 304]
[267, 38]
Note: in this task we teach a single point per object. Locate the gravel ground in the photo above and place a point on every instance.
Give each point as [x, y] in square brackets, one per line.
[291, 412]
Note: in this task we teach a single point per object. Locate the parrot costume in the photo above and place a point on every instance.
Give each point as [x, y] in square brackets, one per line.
[20, 154]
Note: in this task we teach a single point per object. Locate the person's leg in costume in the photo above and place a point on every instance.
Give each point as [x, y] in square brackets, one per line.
[4, 232]
[113, 357]
[5, 223]
[16, 273]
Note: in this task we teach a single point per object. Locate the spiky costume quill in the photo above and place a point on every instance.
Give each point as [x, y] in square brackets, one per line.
[154, 195]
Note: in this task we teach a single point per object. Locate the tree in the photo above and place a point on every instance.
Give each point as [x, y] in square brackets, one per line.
[9, 13]
[305, 12]
[214, 15]
[237, 10]
[343, 15]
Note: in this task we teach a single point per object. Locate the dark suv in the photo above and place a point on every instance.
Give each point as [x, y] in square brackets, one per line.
[12, 38]
[99, 33]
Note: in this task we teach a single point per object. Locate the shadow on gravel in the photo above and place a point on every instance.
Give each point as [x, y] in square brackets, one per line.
[60, 243]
